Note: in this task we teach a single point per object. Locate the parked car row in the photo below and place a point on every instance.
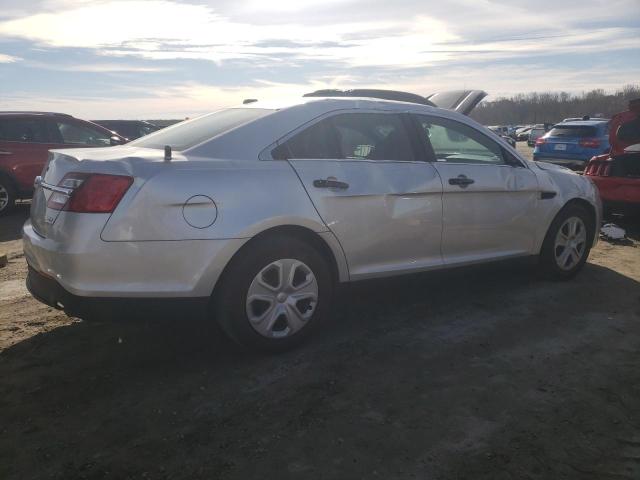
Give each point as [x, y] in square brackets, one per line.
[27, 137]
[617, 172]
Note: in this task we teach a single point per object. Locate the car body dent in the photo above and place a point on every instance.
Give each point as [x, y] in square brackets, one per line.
[568, 186]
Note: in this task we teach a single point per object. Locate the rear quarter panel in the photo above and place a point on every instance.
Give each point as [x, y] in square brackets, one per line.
[249, 196]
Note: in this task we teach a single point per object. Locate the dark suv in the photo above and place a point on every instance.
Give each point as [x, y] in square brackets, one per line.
[130, 129]
[25, 141]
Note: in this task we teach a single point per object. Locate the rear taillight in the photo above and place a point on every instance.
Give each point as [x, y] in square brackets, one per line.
[89, 192]
[599, 168]
[590, 142]
[540, 141]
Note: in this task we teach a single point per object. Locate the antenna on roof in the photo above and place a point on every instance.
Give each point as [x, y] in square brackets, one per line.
[167, 153]
[249, 100]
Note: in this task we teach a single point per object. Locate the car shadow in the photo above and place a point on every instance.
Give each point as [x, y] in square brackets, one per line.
[131, 387]
[360, 307]
[11, 224]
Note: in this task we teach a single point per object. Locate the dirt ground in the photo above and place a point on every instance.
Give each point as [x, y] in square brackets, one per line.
[483, 373]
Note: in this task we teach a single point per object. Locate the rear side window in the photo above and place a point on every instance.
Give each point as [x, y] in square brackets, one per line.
[189, 134]
[24, 130]
[455, 142]
[573, 131]
[351, 136]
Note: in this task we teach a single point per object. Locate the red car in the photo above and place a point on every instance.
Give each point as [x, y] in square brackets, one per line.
[25, 141]
[617, 174]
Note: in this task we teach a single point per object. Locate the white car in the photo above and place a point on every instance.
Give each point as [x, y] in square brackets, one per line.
[257, 212]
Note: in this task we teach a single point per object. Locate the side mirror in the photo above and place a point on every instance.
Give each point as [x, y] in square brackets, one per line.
[116, 141]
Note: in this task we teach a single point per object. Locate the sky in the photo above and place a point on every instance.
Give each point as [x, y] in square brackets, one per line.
[151, 59]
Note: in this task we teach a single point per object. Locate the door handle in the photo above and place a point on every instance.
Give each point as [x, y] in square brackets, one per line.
[5, 152]
[330, 182]
[462, 181]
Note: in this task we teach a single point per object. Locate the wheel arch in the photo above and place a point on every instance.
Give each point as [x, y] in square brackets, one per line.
[11, 180]
[324, 242]
[588, 206]
[592, 213]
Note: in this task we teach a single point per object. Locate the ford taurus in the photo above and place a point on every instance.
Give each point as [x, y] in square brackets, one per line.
[259, 211]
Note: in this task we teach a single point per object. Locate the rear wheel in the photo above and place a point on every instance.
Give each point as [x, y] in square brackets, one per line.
[274, 294]
[568, 242]
[7, 195]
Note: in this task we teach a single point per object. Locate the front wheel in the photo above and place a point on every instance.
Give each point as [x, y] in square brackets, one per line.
[274, 294]
[568, 242]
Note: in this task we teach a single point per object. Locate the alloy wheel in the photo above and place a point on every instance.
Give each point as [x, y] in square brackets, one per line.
[570, 243]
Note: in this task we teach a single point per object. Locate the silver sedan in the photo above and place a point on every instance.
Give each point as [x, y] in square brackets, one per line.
[256, 213]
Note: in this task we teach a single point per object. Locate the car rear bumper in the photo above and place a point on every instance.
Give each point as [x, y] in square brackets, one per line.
[86, 266]
[46, 290]
[618, 190]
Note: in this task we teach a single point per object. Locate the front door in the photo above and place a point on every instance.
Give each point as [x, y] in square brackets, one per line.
[382, 203]
[490, 197]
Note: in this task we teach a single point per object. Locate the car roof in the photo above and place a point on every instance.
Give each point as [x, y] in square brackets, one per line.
[582, 123]
[28, 113]
[122, 121]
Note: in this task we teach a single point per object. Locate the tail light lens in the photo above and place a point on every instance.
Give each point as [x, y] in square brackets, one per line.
[590, 143]
[598, 168]
[540, 141]
[90, 192]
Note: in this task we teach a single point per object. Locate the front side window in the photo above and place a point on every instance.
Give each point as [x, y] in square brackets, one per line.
[77, 134]
[23, 130]
[455, 142]
[351, 136]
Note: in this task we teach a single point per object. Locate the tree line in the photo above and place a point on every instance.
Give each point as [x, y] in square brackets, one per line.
[552, 107]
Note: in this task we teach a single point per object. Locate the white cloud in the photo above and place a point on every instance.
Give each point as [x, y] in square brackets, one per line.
[163, 29]
[8, 58]
[416, 45]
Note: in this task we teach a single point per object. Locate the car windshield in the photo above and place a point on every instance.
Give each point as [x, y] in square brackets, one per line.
[193, 132]
[573, 131]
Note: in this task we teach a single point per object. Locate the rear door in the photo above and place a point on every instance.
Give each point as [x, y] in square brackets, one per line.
[24, 148]
[382, 203]
[490, 197]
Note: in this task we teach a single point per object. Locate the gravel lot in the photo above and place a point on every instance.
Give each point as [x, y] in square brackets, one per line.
[483, 373]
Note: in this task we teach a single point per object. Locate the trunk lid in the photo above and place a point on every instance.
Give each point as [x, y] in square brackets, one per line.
[461, 101]
[114, 160]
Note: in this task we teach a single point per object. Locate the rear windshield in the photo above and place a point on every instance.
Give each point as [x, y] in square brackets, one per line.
[573, 131]
[193, 132]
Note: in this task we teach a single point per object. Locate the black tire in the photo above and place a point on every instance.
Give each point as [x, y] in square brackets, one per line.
[548, 263]
[7, 194]
[229, 302]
